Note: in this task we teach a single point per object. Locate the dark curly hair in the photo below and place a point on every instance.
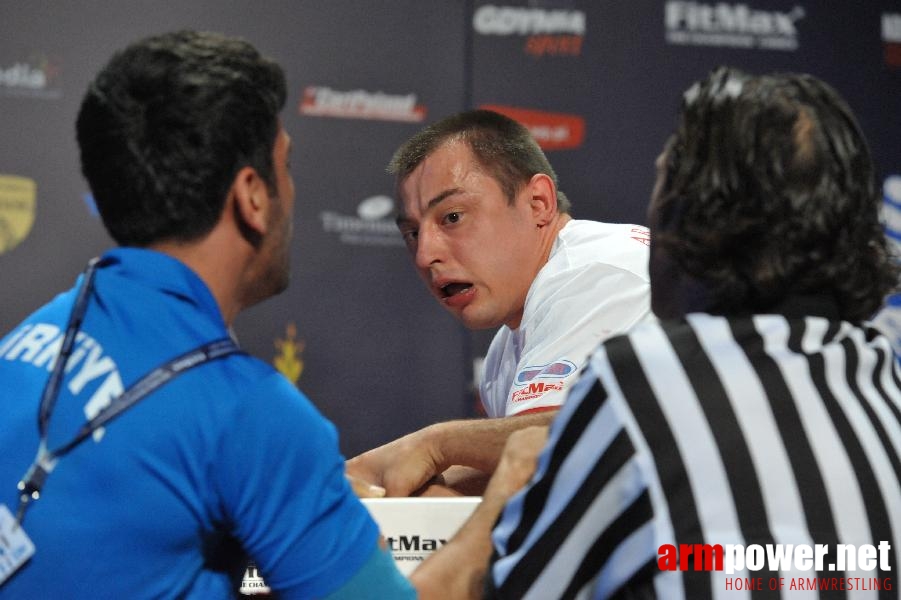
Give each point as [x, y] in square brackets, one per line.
[167, 124]
[501, 145]
[768, 192]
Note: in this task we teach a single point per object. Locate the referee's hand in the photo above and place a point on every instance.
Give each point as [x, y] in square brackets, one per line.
[518, 461]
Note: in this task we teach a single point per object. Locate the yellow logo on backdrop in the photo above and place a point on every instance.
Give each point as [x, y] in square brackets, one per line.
[289, 362]
[18, 197]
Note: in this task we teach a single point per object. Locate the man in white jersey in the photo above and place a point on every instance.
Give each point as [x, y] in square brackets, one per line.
[593, 285]
[493, 240]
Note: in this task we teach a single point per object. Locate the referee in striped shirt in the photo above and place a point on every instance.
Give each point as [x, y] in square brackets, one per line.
[762, 415]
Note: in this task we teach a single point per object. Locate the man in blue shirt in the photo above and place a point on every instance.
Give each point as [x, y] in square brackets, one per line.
[216, 459]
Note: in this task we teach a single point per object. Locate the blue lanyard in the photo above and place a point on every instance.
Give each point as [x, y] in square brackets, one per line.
[31, 484]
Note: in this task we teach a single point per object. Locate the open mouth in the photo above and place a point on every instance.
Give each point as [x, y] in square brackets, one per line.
[452, 289]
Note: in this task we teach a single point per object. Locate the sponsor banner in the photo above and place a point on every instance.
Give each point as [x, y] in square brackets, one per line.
[891, 207]
[18, 199]
[322, 101]
[552, 131]
[891, 38]
[548, 32]
[373, 225]
[33, 78]
[414, 528]
[732, 25]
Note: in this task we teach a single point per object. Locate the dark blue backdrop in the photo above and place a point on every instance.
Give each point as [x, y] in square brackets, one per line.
[598, 81]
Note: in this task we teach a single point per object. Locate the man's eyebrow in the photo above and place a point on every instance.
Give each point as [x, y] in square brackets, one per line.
[444, 195]
[402, 217]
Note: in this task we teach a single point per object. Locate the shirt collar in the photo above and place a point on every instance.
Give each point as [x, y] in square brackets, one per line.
[163, 272]
[808, 305]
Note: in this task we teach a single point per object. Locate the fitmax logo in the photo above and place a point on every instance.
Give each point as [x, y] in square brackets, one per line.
[414, 543]
[735, 25]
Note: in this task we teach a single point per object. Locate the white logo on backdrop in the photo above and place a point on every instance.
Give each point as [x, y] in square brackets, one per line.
[518, 20]
[891, 28]
[373, 224]
[731, 25]
[32, 79]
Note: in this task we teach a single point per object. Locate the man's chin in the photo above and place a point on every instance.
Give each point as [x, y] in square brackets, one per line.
[273, 285]
[282, 285]
[476, 322]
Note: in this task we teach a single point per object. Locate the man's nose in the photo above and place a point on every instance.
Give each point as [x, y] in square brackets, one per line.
[429, 247]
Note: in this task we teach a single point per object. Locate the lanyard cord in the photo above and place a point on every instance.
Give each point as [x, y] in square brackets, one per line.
[51, 389]
[147, 384]
[31, 484]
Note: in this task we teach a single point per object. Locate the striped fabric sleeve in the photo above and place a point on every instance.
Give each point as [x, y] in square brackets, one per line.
[583, 522]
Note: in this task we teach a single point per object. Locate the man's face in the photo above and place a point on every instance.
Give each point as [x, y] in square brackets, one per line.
[281, 218]
[477, 253]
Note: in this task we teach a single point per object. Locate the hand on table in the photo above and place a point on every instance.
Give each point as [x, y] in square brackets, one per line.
[400, 467]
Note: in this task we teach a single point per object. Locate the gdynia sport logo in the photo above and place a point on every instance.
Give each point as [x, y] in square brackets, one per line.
[813, 567]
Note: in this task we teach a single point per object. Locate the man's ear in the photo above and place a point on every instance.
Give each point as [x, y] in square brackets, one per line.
[251, 201]
[542, 198]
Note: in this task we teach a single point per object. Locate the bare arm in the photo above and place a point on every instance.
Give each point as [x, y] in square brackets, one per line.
[458, 569]
[405, 465]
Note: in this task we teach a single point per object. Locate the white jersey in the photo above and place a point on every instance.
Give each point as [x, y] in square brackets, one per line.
[594, 285]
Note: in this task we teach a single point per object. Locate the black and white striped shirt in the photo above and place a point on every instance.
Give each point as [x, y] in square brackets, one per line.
[769, 429]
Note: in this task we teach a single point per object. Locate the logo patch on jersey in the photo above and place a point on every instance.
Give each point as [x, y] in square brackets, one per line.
[555, 370]
[537, 390]
[641, 235]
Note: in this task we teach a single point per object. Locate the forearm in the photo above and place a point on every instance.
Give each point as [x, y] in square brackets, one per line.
[404, 466]
[479, 443]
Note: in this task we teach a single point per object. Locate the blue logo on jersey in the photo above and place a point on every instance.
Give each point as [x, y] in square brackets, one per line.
[555, 370]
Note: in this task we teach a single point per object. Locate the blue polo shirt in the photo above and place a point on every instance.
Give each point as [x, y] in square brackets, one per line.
[224, 463]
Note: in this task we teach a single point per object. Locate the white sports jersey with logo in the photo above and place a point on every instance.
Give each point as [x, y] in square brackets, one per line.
[594, 285]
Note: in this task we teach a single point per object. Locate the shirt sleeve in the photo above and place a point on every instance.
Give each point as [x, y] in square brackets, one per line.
[582, 309]
[282, 480]
[379, 578]
[586, 507]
